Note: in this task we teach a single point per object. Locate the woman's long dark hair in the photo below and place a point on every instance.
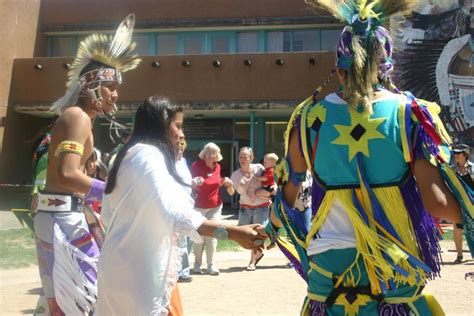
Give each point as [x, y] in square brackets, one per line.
[152, 122]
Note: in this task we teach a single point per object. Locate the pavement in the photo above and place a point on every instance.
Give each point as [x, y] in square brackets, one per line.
[8, 220]
[271, 290]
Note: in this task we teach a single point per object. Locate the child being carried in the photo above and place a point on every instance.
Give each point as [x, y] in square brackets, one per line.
[267, 177]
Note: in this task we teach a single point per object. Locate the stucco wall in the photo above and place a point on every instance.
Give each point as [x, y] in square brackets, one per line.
[201, 81]
[57, 12]
[18, 35]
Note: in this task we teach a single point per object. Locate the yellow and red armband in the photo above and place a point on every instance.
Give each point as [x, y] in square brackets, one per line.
[69, 146]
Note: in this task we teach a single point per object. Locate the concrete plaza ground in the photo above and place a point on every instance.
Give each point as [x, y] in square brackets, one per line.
[273, 289]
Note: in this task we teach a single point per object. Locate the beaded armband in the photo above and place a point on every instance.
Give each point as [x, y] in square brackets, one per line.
[70, 147]
[293, 176]
[297, 177]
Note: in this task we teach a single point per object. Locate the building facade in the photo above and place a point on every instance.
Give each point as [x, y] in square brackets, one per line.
[237, 67]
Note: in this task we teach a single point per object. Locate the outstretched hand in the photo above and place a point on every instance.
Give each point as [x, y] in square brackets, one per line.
[250, 236]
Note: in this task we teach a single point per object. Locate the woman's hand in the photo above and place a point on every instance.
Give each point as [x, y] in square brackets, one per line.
[226, 182]
[229, 186]
[196, 182]
[245, 180]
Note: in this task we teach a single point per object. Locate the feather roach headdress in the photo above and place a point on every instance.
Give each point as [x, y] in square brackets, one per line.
[100, 58]
[365, 46]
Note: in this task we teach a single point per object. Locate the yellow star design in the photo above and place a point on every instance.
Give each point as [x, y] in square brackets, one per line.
[357, 135]
[317, 111]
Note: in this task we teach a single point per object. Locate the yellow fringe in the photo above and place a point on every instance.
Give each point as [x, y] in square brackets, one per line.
[305, 308]
[392, 202]
[286, 243]
[368, 244]
[321, 215]
[371, 246]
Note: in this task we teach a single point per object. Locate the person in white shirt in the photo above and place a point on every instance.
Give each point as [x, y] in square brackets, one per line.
[145, 205]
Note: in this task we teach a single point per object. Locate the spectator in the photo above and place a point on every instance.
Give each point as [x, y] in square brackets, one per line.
[465, 170]
[124, 139]
[184, 242]
[252, 210]
[91, 165]
[207, 174]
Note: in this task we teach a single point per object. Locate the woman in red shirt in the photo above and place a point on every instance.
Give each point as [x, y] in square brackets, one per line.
[207, 174]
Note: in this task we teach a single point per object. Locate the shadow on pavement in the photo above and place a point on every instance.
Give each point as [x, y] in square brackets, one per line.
[36, 291]
[259, 267]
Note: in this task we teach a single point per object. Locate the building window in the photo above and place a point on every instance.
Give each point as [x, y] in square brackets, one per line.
[220, 43]
[247, 42]
[305, 41]
[167, 44]
[62, 46]
[215, 42]
[274, 142]
[143, 44]
[279, 41]
[329, 40]
[193, 44]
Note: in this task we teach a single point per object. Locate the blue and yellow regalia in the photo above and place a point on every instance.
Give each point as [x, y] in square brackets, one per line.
[362, 155]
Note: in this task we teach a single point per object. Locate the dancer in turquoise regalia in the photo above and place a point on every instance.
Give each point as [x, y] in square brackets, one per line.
[379, 162]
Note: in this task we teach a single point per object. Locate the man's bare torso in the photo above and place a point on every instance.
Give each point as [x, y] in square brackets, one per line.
[59, 133]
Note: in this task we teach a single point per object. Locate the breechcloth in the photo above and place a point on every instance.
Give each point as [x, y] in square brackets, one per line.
[353, 295]
[72, 225]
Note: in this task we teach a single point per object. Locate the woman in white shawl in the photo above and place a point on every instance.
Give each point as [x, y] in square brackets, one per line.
[145, 205]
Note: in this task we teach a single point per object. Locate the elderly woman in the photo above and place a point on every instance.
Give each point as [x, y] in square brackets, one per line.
[253, 210]
[207, 174]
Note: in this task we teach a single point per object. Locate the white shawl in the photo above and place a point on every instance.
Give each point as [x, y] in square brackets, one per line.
[139, 261]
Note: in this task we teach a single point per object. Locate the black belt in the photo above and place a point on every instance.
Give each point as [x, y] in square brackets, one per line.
[352, 291]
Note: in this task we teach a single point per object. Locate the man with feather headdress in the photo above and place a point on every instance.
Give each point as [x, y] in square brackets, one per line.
[67, 251]
[379, 159]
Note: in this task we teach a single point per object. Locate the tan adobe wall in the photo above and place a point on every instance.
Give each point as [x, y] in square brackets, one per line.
[233, 81]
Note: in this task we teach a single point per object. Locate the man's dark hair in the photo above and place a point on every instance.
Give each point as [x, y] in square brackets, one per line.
[93, 66]
[152, 122]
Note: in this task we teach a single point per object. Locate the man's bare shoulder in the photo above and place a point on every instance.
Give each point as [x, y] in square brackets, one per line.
[75, 116]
